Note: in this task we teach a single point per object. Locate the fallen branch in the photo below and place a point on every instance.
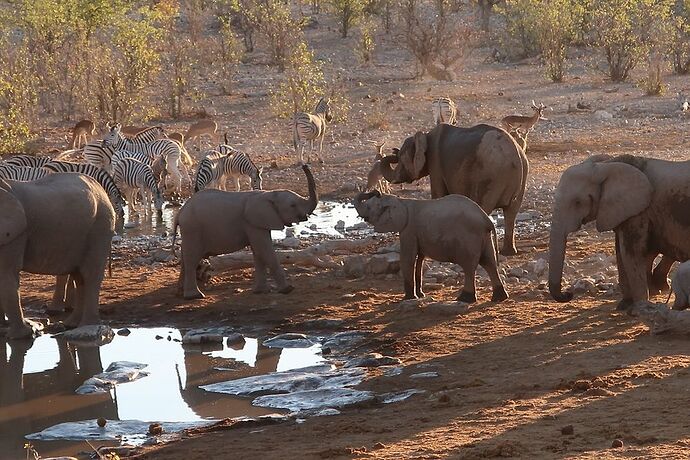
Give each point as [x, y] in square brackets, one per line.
[245, 259]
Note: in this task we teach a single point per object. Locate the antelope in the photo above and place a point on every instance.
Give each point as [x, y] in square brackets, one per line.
[375, 179]
[80, 133]
[200, 128]
[132, 130]
[444, 111]
[179, 137]
[522, 123]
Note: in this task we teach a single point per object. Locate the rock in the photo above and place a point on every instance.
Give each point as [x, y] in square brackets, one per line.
[425, 375]
[323, 323]
[161, 255]
[118, 372]
[208, 335]
[603, 115]
[381, 264]
[343, 342]
[315, 399]
[358, 226]
[340, 225]
[113, 431]
[537, 267]
[290, 340]
[372, 360]
[517, 272]
[397, 396]
[289, 232]
[584, 286]
[409, 305]
[393, 371]
[124, 332]
[101, 422]
[116, 239]
[582, 385]
[155, 429]
[617, 443]
[289, 242]
[567, 430]
[96, 335]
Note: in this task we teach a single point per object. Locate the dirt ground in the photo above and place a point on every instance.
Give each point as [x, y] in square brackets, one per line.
[511, 375]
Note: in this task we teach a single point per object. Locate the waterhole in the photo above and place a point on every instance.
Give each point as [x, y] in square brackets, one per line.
[38, 381]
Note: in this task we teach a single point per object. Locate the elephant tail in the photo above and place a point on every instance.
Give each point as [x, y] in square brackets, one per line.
[494, 238]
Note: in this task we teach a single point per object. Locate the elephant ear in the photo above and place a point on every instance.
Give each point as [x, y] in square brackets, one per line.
[12, 216]
[625, 192]
[413, 159]
[261, 211]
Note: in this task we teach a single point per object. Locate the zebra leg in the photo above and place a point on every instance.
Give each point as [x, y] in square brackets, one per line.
[237, 184]
[318, 155]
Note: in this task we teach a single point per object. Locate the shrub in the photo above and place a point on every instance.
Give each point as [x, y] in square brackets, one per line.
[555, 27]
[364, 49]
[679, 45]
[282, 32]
[519, 38]
[347, 12]
[302, 84]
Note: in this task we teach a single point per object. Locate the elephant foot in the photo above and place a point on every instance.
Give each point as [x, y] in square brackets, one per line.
[20, 331]
[194, 295]
[625, 305]
[287, 289]
[499, 294]
[509, 251]
[261, 289]
[467, 297]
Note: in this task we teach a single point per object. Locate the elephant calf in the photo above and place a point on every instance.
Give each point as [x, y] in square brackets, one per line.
[681, 286]
[449, 229]
[215, 222]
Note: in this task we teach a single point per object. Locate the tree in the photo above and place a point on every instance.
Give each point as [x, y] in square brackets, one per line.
[347, 11]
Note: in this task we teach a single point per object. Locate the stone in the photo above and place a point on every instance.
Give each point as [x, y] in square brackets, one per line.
[96, 335]
[101, 422]
[315, 399]
[290, 340]
[289, 242]
[343, 342]
[425, 375]
[208, 335]
[603, 115]
[397, 396]
[617, 444]
[584, 286]
[118, 372]
[372, 360]
[124, 332]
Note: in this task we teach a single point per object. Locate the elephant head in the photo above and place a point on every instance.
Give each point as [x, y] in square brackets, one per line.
[12, 217]
[608, 192]
[410, 160]
[385, 212]
[276, 209]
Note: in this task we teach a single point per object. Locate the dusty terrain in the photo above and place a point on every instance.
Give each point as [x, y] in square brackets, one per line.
[511, 375]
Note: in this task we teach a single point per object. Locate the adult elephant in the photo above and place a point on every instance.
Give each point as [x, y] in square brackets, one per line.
[482, 163]
[645, 201]
[62, 224]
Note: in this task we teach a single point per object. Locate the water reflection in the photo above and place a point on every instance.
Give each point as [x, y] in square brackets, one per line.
[38, 380]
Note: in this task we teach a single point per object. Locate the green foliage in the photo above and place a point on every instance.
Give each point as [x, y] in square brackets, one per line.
[17, 97]
[364, 49]
[679, 44]
[347, 12]
[555, 28]
[519, 38]
[275, 22]
[302, 84]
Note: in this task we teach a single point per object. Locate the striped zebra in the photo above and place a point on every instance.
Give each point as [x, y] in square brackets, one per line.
[99, 175]
[133, 176]
[144, 157]
[209, 173]
[172, 150]
[121, 142]
[307, 127]
[444, 111]
[236, 164]
[28, 161]
[22, 173]
[99, 155]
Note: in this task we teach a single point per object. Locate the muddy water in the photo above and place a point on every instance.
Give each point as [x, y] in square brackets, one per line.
[38, 380]
[321, 223]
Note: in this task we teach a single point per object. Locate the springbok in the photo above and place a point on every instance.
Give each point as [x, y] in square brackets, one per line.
[81, 133]
[200, 128]
[522, 123]
[179, 137]
[375, 180]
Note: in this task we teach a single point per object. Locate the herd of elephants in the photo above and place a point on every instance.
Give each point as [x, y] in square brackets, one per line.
[63, 224]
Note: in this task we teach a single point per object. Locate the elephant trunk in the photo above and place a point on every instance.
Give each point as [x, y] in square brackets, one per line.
[389, 173]
[557, 241]
[362, 197]
[313, 195]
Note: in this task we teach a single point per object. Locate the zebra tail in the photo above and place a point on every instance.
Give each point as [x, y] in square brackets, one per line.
[294, 131]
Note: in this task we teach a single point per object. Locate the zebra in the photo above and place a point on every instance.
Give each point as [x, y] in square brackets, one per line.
[133, 176]
[121, 142]
[237, 164]
[311, 127]
[22, 173]
[444, 111]
[28, 161]
[141, 156]
[209, 172]
[99, 155]
[99, 175]
[172, 150]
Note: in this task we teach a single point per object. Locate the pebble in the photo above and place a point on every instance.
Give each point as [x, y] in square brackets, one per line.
[567, 430]
[155, 429]
[617, 443]
[101, 422]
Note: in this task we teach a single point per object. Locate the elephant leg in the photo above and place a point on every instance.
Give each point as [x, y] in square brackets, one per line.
[659, 279]
[468, 293]
[58, 303]
[489, 263]
[623, 282]
[190, 261]
[509, 215]
[634, 262]
[262, 247]
[418, 266]
[408, 257]
[681, 300]
[10, 302]
[260, 279]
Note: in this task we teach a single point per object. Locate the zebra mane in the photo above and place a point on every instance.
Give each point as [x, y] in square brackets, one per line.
[321, 105]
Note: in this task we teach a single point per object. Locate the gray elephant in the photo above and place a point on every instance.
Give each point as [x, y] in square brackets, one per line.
[681, 286]
[645, 201]
[482, 163]
[449, 229]
[216, 222]
[62, 224]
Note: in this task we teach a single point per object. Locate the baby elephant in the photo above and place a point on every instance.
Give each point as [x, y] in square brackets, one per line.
[449, 229]
[681, 286]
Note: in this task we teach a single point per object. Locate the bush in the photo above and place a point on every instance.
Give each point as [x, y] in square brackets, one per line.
[18, 96]
[555, 27]
[679, 43]
[347, 12]
[519, 39]
[364, 49]
[274, 21]
[302, 84]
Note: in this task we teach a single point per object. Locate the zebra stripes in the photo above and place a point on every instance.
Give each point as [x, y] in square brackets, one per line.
[102, 177]
[227, 161]
[307, 127]
[95, 153]
[132, 176]
[120, 142]
[444, 111]
[22, 173]
[141, 156]
[27, 161]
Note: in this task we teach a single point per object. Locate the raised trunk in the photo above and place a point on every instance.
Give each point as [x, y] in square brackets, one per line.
[557, 240]
[313, 195]
[389, 173]
[362, 197]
